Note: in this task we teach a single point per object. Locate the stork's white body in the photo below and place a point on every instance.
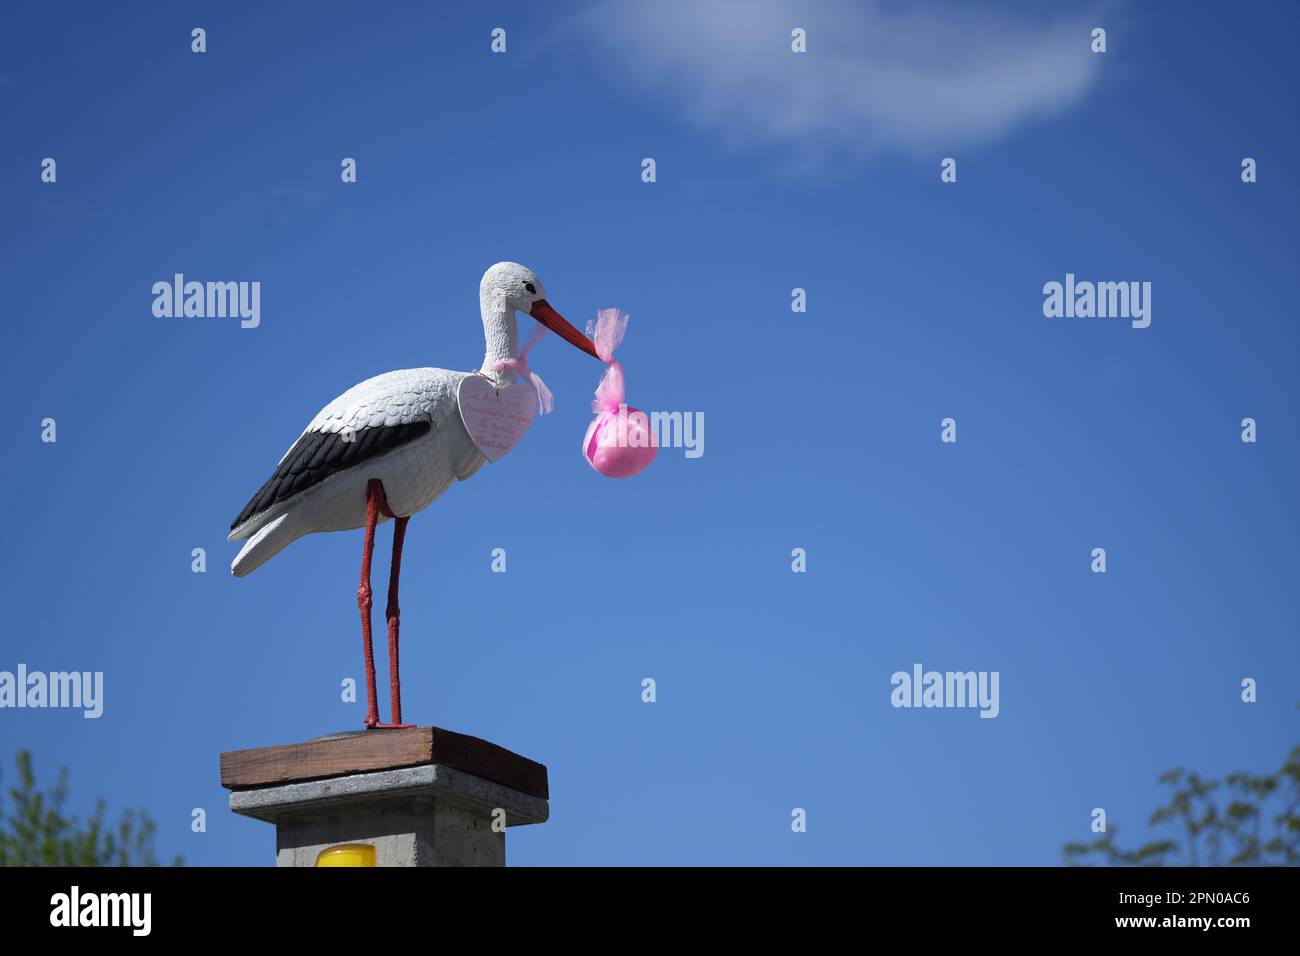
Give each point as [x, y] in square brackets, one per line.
[413, 475]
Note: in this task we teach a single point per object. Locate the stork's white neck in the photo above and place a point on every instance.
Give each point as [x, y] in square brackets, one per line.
[501, 334]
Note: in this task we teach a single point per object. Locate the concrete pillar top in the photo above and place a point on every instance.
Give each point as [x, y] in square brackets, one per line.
[422, 796]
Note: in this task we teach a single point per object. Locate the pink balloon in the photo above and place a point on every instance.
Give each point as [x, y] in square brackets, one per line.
[619, 444]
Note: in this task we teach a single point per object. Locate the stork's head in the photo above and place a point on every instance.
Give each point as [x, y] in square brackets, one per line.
[519, 288]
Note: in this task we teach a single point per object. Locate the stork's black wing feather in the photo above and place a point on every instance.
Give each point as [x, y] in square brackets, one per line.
[317, 455]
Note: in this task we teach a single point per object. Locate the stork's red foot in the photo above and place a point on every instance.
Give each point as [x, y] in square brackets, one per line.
[390, 726]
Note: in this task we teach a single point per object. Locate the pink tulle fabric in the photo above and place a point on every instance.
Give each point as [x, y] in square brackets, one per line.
[618, 443]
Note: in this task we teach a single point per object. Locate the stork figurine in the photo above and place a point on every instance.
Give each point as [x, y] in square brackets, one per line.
[386, 448]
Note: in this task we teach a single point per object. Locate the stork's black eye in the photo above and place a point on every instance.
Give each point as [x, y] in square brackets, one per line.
[532, 290]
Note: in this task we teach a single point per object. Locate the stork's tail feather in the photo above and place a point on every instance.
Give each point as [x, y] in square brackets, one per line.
[270, 540]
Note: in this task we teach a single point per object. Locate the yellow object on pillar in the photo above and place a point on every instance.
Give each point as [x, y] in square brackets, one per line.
[347, 854]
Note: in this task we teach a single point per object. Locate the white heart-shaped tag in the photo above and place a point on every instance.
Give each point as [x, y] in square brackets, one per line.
[495, 419]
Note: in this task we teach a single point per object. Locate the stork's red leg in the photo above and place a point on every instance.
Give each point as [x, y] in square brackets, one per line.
[394, 621]
[373, 493]
[377, 504]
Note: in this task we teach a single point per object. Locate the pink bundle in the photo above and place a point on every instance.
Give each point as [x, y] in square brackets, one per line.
[619, 442]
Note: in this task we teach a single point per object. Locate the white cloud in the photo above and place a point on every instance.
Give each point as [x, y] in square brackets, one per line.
[876, 76]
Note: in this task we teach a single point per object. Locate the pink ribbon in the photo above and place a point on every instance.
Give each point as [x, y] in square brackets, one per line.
[544, 400]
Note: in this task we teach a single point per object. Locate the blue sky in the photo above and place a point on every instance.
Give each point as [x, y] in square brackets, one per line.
[773, 172]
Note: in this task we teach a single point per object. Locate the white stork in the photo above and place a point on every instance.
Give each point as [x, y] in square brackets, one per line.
[387, 448]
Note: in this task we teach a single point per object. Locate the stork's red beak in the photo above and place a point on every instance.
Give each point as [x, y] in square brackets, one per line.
[543, 313]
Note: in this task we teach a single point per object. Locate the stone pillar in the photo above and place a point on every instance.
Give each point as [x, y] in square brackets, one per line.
[421, 797]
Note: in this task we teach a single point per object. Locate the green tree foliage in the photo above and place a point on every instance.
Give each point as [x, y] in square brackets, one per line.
[1243, 820]
[34, 830]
